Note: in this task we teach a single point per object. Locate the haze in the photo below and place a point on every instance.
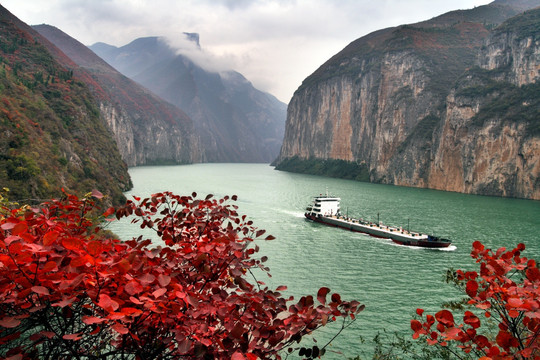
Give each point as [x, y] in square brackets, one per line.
[274, 43]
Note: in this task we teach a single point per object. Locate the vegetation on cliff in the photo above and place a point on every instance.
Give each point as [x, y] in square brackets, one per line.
[329, 167]
[526, 25]
[51, 133]
[148, 130]
[417, 104]
[504, 102]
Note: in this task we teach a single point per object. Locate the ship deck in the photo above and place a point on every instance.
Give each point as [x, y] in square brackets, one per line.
[374, 229]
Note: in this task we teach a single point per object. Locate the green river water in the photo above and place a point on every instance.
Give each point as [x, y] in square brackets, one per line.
[391, 280]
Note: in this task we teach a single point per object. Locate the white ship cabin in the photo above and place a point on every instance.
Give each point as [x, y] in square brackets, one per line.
[324, 206]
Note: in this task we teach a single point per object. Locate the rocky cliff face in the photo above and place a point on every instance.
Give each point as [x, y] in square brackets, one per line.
[443, 104]
[51, 133]
[235, 121]
[147, 129]
[490, 140]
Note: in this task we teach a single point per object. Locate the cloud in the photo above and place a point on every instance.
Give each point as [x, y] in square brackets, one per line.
[276, 44]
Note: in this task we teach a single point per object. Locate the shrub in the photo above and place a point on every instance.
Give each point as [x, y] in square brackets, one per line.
[67, 290]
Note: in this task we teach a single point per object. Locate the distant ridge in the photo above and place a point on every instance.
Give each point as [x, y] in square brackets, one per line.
[236, 122]
[147, 129]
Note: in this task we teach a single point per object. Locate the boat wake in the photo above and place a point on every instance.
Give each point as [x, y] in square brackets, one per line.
[449, 248]
[292, 213]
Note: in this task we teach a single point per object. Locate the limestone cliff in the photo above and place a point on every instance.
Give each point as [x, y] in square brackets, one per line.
[147, 129]
[235, 121]
[449, 104]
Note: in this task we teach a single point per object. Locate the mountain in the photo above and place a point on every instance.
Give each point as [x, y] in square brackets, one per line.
[449, 103]
[236, 122]
[51, 133]
[147, 129]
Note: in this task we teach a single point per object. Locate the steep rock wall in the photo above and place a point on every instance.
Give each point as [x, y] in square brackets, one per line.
[443, 107]
[500, 157]
[147, 129]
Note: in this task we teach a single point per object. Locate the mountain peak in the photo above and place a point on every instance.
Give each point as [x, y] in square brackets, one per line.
[194, 37]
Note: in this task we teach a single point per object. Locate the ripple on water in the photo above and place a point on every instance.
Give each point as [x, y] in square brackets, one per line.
[391, 280]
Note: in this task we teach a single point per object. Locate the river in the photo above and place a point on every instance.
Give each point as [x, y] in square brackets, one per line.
[391, 280]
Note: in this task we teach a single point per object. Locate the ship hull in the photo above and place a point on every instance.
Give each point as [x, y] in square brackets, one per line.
[398, 236]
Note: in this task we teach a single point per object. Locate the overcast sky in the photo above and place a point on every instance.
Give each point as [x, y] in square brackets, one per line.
[274, 43]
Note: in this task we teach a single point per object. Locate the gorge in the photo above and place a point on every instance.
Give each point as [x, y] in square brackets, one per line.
[450, 103]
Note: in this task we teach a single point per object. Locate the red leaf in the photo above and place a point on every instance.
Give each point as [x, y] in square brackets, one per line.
[90, 320]
[8, 225]
[124, 265]
[472, 288]
[470, 319]
[50, 237]
[506, 340]
[164, 280]
[135, 300]
[147, 279]
[133, 287]
[130, 311]
[109, 212]
[478, 245]
[321, 295]
[419, 312]
[9, 322]
[71, 243]
[445, 317]
[416, 325]
[107, 303]
[49, 266]
[119, 328]
[452, 333]
[73, 337]
[97, 194]
[281, 288]
[81, 260]
[48, 334]
[237, 331]
[11, 238]
[481, 341]
[515, 302]
[19, 228]
[533, 274]
[40, 290]
[64, 302]
[94, 248]
[159, 292]
[238, 356]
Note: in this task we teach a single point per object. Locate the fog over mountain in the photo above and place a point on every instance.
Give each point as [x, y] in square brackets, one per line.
[147, 129]
[273, 43]
[236, 122]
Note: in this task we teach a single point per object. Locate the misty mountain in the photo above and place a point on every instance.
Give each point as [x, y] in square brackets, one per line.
[147, 129]
[235, 121]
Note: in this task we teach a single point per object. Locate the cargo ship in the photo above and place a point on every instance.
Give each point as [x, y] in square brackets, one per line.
[326, 210]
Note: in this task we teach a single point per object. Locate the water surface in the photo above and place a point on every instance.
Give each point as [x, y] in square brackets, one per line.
[391, 280]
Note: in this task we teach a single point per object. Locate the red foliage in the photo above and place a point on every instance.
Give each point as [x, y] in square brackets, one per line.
[67, 291]
[514, 304]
